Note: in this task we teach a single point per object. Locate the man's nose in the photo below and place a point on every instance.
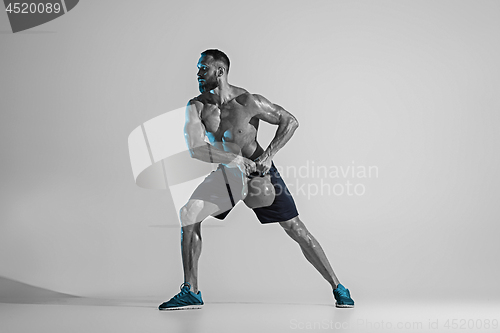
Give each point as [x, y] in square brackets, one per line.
[200, 72]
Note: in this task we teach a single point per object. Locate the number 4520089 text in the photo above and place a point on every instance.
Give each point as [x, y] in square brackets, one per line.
[33, 8]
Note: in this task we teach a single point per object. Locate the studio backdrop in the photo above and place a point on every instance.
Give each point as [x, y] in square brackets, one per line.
[394, 167]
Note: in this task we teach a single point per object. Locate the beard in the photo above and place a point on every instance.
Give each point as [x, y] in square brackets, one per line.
[207, 85]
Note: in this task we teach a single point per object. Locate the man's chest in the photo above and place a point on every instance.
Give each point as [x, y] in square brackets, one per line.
[218, 119]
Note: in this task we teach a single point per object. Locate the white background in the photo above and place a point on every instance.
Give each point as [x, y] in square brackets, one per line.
[408, 86]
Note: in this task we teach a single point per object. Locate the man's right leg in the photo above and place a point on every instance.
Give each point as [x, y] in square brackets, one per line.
[191, 216]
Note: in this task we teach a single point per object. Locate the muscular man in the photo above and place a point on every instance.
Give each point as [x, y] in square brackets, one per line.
[229, 117]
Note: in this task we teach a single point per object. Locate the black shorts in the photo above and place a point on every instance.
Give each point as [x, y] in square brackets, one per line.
[225, 186]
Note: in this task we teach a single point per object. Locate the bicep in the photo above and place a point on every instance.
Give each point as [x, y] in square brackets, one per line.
[194, 130]
[272, 113]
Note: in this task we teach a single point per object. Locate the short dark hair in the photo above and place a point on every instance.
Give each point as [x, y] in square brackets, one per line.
[218, 55]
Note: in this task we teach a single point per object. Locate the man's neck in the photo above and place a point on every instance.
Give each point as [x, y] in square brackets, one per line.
[223, 93]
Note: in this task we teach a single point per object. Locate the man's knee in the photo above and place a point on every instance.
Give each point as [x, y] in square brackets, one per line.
[297, 230]
[189, 212]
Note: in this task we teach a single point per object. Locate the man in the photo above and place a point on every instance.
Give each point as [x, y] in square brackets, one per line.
[229, 117]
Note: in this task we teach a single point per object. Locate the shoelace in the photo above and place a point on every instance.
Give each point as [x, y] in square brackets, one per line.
[343, 292]
[184, 290]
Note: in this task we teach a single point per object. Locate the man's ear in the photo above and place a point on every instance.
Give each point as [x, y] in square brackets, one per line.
[220, 71]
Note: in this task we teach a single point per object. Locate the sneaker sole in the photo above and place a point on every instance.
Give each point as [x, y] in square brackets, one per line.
[187, 307]
[343, 305]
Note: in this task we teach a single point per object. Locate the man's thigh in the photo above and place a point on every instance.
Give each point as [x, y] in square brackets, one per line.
[197, 210]
[221, 189]
[283, 207]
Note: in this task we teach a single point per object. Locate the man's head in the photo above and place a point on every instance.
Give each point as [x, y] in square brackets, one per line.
[213, 67]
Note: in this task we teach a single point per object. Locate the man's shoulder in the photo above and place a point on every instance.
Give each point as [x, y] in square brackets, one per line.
[198, 100]
[197, 103]
[252, 98]
[245, 98]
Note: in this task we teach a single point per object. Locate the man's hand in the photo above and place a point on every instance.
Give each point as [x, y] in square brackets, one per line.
[245, 165]
[264, 163]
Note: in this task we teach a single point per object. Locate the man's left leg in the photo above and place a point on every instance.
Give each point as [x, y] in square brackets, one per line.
[283, 209]
[313, 252]
[311, 248]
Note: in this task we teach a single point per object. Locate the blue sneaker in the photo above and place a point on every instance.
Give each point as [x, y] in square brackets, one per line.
[343, 297]
[186, 299]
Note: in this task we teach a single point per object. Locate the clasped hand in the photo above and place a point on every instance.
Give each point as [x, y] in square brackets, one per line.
[261, 165]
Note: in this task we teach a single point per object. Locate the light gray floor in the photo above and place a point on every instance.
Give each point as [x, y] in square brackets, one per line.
[92, 315]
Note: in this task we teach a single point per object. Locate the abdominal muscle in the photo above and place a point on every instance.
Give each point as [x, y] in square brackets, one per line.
[232, 147]
[235, 135]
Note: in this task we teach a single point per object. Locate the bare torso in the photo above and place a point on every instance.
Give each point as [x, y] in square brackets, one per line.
[231, 126]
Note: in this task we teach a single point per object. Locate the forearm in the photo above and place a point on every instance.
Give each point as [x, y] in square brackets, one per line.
[211, 154]
[283, 135]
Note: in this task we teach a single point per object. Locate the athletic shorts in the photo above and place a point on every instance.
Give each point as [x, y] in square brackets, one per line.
[225, 187]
